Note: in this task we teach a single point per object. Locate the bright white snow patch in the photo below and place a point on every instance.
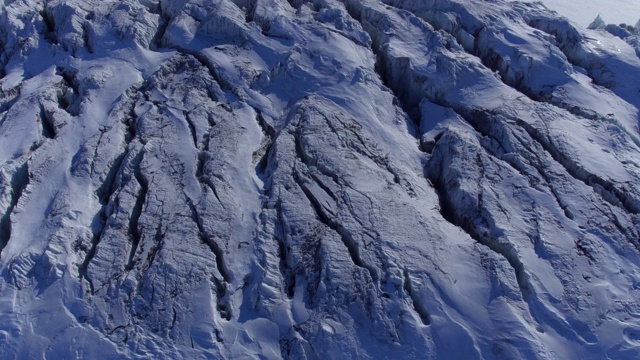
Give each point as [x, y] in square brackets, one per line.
[583, 12]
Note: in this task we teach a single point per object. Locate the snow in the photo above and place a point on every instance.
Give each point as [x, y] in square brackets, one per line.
[407, 179]
[583, 12]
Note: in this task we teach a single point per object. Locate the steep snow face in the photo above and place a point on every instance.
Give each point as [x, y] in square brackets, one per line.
[403, 179]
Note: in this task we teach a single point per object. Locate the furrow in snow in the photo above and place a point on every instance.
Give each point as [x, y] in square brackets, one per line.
[157, 42]
[415, 299]
[347, 238]
[47, 121]
[280, 235]
[204, 157]
[18, 183]
[109, 179]
[394, 72]
[213, 71]
[275, 226]
[605, 188]
[461, 207]
[249, 7]
[105, 195]
[488, 126]
[8, 98]
[68, 99]
[141, 198]
[192, 129]
[222, 284]
[49, 28]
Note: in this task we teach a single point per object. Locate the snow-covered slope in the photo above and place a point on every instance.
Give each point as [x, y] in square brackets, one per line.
[400, 179]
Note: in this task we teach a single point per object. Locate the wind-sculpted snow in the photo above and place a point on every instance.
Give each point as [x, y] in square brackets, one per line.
[443, 179]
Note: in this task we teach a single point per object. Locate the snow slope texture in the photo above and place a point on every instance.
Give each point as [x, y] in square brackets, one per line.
[399, 179]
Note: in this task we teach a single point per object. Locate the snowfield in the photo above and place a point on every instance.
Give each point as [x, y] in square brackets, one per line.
[582, 12]
[271, 179]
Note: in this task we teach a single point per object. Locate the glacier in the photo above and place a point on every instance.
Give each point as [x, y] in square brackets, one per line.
[267, 179]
